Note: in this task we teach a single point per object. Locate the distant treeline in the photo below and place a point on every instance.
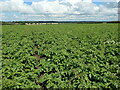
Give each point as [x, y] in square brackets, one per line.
[78, 22]
[12, 23]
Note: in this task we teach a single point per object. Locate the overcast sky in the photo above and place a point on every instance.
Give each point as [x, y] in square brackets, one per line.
[62, 10]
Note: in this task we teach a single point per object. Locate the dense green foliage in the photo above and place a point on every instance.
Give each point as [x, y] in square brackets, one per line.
[60, 56]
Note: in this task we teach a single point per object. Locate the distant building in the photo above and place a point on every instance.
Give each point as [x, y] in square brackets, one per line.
[39, 23]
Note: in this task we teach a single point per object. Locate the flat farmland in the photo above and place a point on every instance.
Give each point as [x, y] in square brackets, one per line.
[60, 56]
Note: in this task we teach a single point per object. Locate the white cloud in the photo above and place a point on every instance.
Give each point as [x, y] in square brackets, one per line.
[117, 0]
[49, 7]
[15, 6]
[105, 0]
[64, 9]
[1, 16]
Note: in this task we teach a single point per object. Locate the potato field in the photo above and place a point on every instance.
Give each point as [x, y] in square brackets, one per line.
[60, 56]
